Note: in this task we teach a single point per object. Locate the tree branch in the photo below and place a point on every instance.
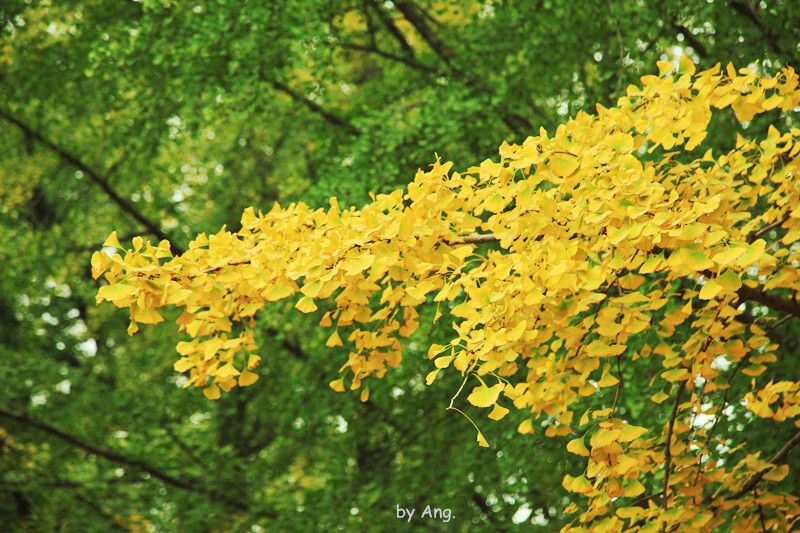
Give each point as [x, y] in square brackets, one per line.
[668, 444]
[188, 484]
[416, 19]
[696, 45]
[96, 178]
[313, 106]
[747, 11]
[393, 29]
[777, 458]
[375, 50]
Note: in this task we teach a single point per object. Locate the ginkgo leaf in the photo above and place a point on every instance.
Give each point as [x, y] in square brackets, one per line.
[498, 412]
[334, 339]
[483, 396]
[112, 241]
[227, 370]
[431, 377]
[494, 203]
[337, 385]
[752, 253]
[365, 394]
[183, 364]
[694, 259]
[710, 290]
[564, 166]
[247, 378]
[604, 437]
[277, 292]
[578, 447]
[482, 441]
[729, 280]
[633, 488]
[581, 485]
[723, 258]
[630, 433]
[212, 392]
[118, 291]
[306, 305]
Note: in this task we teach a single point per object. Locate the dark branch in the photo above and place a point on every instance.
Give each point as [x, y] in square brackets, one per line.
[96, 178]
[393, 29]
[780, 456]
[188, 484]
[698, 47]
[668, 444]
[417, 19]
[316, 108]
[406, 60]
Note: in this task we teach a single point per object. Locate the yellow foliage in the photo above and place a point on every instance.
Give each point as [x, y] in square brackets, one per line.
[591, 240]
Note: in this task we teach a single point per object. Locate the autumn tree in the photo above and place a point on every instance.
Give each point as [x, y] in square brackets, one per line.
[604, 237]
[168, 119]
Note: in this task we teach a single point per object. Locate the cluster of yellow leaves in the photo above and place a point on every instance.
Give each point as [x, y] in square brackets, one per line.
[583, 219]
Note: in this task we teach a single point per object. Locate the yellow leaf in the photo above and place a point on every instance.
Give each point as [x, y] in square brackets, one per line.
[516, 333]
[431, 377]
[685, 66]
[498, 412]
[664, 68]
[604, 437]
[709, 290]
[211, 392]
[183, 364]
[607, 380]
[564, 166]
[112, 240]
[334, 339]
[365, 394]
[723, 258]
[752, 254]
[633, 488]
[306, 305]
[247, 378]
[115, 292]
[729, 280]
[495, 203]
[482, 441]
[753, 370]
[630, 433]
[227, 370]
[659, 397]
[526, 426]
[694, 259]
[616, 235]
[581, 485]
[356, 266]
[773, 101]
[484, 396]
[578, 447]
[337, 385]
[676, 374]
[277, 292]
